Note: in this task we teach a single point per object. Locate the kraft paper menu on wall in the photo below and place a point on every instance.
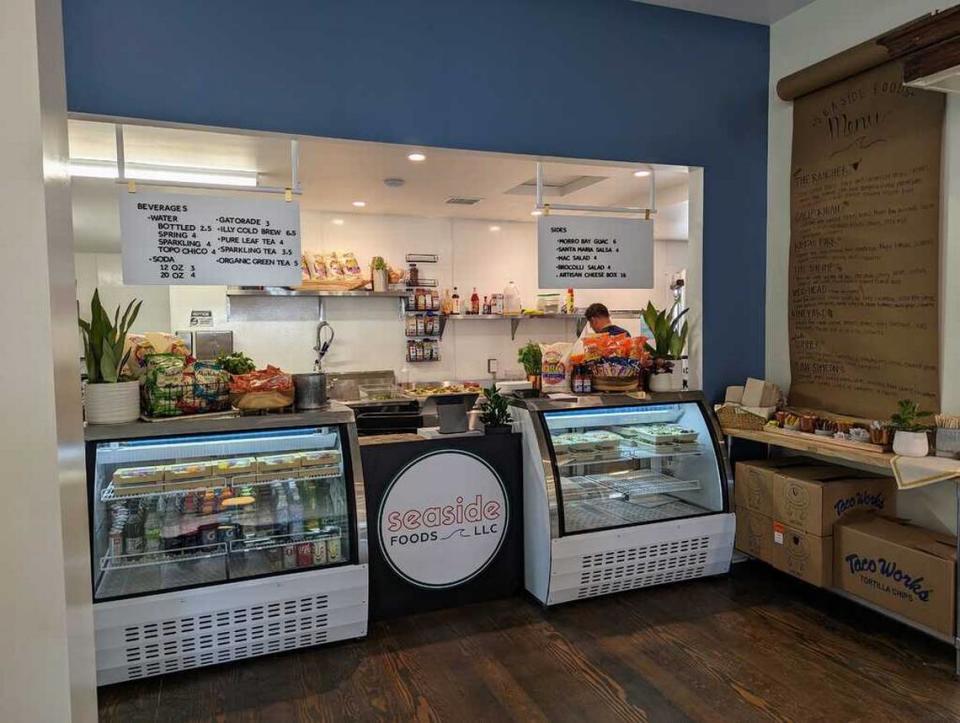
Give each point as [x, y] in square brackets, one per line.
[864, 246]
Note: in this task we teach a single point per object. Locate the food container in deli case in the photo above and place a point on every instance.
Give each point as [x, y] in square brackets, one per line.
[622, 493]
[225, 520]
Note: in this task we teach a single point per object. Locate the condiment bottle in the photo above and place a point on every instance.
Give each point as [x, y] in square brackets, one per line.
[474, 302]
[457, 308]
[414, 275]
[569, 302]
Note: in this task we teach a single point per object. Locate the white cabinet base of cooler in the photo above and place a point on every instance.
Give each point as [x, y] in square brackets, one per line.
[598, 563]
[167, 632]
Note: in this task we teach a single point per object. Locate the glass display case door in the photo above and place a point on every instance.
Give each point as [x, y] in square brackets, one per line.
[175, 513]
[622, 466]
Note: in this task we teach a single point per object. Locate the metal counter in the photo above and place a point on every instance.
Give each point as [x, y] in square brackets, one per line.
[335, 413]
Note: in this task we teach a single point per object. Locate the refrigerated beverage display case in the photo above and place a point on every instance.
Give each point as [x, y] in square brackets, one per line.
[621, 493]
[224, 544]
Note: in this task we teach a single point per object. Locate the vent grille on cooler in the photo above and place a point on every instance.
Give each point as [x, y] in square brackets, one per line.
[615, 570]
[218, 637]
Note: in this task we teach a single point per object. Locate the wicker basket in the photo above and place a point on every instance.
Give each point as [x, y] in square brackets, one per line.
[615, 384]
[733, 417]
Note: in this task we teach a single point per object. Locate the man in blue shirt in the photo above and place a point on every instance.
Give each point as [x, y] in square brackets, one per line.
[598, 316]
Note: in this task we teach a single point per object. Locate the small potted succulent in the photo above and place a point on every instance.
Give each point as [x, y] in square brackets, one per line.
[379, 274]
[531, 359]
[110, 397]
[910, 438]
[495, 413]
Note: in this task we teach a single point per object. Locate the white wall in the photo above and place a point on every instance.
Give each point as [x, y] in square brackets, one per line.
[104, 272]
[47, 670]
[816, 32]
[370, 331]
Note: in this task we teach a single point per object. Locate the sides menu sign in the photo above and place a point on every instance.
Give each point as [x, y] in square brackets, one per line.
[190, 239]
[864, 245]
[594, 252]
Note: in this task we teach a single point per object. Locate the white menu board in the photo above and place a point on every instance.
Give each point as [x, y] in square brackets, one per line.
[187, 239]
[594, 252]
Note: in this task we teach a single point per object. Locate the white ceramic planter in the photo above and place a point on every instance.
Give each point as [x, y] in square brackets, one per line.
[380, 279]
[911, 444]
[661, 382]
[112, 403]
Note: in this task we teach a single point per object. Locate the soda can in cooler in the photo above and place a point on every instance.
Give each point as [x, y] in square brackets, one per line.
[320, 552]
[304, 554]
[289, 557]
[334, 553]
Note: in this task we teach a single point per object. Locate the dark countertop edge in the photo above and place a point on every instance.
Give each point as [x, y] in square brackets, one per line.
[335, 413]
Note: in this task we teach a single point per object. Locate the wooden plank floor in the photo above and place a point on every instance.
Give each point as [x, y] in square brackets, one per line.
[753, 645]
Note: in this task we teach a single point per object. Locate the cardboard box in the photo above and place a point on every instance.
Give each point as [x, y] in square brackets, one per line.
[814, 499]
[760, 393]
[803, 555]
[754, 534]
[754, 481]
[903, 568]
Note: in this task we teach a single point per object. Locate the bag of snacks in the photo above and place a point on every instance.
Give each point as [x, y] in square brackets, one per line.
[555, 367]
[153, 342]
[350, 265]
[318, 271]
[163, 385]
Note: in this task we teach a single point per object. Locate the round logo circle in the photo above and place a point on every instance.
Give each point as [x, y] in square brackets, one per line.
[443, 519]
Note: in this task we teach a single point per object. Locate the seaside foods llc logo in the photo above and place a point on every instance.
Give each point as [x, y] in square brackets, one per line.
[443, 519]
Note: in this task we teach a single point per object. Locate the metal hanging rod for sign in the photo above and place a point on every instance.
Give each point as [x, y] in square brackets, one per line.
[547, 207]
[288, 192]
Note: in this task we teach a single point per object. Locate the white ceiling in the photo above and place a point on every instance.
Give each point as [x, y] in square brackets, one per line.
[335, 173]
[764, 12]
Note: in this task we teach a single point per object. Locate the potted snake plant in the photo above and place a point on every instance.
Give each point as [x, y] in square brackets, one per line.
[110, 397]
[669, 339]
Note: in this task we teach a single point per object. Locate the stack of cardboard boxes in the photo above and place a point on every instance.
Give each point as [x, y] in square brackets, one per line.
[796, 514]
[787, 509]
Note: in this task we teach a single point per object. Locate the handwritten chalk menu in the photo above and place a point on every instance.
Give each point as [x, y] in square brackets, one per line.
[594, 252]
[864, 246]
[190, 239]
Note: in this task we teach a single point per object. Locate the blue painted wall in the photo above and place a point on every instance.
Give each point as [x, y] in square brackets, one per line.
[597, 79]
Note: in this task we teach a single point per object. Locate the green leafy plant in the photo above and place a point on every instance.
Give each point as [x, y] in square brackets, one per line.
[104, 339]
[379, 264]
[496, 411]
[530, 357]
[236, 363]
[669, 337]
[907, 417]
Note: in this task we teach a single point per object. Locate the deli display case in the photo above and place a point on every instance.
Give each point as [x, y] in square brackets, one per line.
[217, 540]
[621, 493]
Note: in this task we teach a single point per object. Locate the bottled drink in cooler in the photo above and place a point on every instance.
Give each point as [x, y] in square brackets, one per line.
[295, 507]
[281, 514]
[153, 524]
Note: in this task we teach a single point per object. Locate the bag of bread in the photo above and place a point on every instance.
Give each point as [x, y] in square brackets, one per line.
[350, 266]
[555, 367]
[318, 270]
[334, 267]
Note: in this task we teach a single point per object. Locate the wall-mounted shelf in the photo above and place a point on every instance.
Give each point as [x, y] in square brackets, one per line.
[282, 291]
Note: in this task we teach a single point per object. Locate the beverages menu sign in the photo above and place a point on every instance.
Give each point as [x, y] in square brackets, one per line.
[864, 245]
[594, 252]
[190, 239]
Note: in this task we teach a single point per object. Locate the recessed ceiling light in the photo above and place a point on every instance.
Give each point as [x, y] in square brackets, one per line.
[641, 174]
[417, 157]
[338, 222]
[494, 228]
[359, 204]
[536, 212]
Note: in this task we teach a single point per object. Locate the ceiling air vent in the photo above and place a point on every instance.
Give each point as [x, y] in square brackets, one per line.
[463, 201]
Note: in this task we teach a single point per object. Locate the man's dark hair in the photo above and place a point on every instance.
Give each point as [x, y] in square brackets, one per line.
[595, 311]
